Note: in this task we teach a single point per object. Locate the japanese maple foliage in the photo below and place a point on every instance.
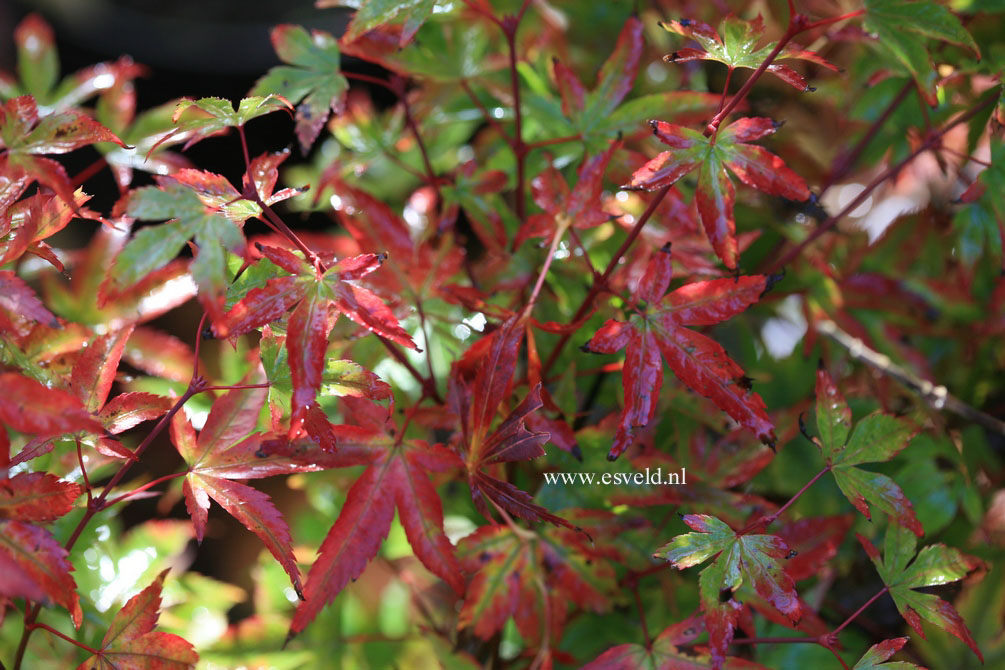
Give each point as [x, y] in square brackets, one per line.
[439, 479]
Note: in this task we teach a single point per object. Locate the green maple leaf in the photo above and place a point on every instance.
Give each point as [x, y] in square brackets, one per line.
[737, 48]
[751, 558]
[311, 77]
[209, 116]
[189, 216]
[902, 571]
[876, 438]
[371, 14]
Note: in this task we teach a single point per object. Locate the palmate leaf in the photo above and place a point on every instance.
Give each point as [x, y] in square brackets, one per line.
[752, 165]
[311, 75]
[206, 117]
[315, 298]
[698, 361]
[875, 439]
[532, 579]
[396, 477]
[878, 654]
[131, 643]
[667, 653]
[579, 208]
[902, 571]
[598, 115]
[903, 29]
[199, 205]
[737, 48]
[754, 559]
[227, 451]
[483, 448]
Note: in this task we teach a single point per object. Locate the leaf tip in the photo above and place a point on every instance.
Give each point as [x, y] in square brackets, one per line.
[771, 280]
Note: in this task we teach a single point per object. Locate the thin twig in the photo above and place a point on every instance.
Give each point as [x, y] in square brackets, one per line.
[599, 282]
[936, 395]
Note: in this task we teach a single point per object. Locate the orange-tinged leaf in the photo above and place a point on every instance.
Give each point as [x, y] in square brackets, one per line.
[30, 407]
[37, 497]
[95, 368]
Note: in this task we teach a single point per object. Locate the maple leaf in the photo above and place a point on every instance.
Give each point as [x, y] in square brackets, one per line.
[396, 477]
[38, 70]
[876, 438]
[33, 564]
[902, 30]
[131, 643]
[902, 571]
[715, 195]
[18, 301]
[25, 134]
[667, 653]
[36, 497]
[510, 441]
[509, 569]
[206, 117]
[739, 558]
[698, 361]
[314, 296]
[225, 451]
[736, 48]
[199, 205]
[311, 74]
[579, 208]
[875, 657]
[30, 220]
[371, 14]
[29, 407]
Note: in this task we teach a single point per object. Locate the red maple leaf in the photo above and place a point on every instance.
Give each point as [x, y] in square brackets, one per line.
[396, 477]
[226, 451]
[25, 135]
[131, 643]
[317, 298]
[698, 361]
[753, 165]
[477, 406]
[579, 207]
